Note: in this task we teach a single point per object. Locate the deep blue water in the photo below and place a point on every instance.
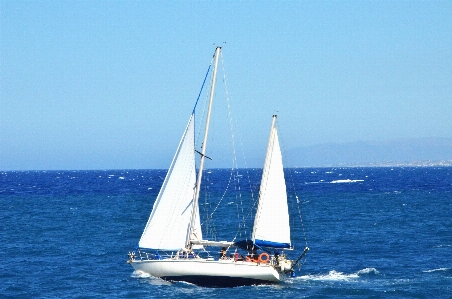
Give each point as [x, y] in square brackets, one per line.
[387, 233]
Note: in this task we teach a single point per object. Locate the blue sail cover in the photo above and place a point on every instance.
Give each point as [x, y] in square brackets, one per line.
[263, 243]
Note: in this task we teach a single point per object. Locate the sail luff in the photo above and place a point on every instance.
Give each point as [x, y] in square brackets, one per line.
[264, 176]
[271, 224]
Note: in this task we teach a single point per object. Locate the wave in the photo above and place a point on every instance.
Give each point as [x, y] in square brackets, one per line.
[316, 182]
[346, 181]
[334, 275]
[441, 246]
[437, 270]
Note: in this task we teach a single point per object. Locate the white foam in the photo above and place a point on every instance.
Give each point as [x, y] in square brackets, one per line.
[140, 274]
[368, 271]
[436, 270]
[149, 278]
[346, 181]
[331, 276]
[334, 275]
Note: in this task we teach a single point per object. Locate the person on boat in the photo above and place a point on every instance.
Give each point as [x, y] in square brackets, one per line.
[236, 257]
[223, 253]
[277, 257]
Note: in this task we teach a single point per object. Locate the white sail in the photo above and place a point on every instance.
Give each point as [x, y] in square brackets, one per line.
[169, 223]
[271, 225]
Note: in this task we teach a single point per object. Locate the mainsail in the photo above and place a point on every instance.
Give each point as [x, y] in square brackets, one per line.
[169, 223]
[271, 225]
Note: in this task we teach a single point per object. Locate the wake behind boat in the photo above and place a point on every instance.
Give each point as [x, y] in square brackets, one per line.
[172, 246]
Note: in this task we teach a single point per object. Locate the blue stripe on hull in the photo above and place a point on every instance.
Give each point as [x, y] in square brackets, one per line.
[217, 281]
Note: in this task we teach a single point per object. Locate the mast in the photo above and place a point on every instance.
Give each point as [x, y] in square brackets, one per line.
[204, 145]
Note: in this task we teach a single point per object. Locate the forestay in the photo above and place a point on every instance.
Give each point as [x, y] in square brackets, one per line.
[169, 223]
[271, 225]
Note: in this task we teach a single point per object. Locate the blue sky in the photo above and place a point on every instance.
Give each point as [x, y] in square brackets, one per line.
[110, 84]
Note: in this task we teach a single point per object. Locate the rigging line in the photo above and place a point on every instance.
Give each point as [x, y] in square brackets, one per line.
[234, 162]
[230, 123]
[202, 86]
[234, 152]
[253, 199]
[250, 211]
[210, 225]
[243, 225]
[292, 181]
[203, 117]
[221, 199]
[199, 96]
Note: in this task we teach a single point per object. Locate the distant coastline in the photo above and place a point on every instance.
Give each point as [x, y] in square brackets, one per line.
[445, 163]
[413, 152]
[428, 163]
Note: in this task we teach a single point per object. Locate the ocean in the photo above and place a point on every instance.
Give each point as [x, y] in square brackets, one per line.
[372, 233]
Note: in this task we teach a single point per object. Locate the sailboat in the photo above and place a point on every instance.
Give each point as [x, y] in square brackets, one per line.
[172, 246]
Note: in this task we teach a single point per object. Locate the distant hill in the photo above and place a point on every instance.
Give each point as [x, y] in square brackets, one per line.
[415, 151]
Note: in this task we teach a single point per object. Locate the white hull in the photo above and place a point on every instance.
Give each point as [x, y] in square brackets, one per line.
[209, 272]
